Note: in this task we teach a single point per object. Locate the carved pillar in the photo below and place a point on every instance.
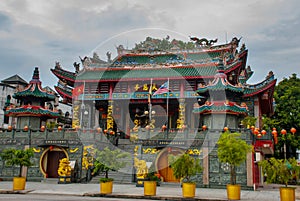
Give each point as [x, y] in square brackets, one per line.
[181, 115]
[110, 119]
[76, 115]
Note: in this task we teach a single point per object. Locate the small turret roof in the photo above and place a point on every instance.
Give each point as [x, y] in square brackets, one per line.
[34, 89]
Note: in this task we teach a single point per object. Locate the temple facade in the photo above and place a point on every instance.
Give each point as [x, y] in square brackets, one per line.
[165, 97]
[170, 97]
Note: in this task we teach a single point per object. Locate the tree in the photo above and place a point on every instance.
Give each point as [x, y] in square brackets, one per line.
[232, 150]
[18, 157]
[109, 160]
[287, 115]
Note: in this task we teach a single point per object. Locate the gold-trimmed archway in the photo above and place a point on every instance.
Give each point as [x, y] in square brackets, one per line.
[44, 158]
[162, 164]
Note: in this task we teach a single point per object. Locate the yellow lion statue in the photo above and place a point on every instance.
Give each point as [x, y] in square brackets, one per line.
[64, 168]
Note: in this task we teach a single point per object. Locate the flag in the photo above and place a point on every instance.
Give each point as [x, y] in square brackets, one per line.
[78, 90]
[164, 88]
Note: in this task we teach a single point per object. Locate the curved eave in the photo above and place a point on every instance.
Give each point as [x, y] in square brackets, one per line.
[63, 93]
[64, 75]
[31, 111]
[34, 90]
[197, 71]
[252, 92]
[220, 85]
[221, 109]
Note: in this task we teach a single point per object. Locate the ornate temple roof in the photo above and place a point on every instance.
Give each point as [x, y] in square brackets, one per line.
[31, 110]
[34, 89]
[221, 107]
[64, 75]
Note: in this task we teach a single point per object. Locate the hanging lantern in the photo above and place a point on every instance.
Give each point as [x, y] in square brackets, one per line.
[105, 131]
[252, 128]
[293, 130]
[274, 132]
[204, 127]
[59, 128]
[225, 129]
[163, 127]
[259, 135]
[283, 132]
[256, 132]
[42, 128]
[263, 132]
[25, 128]
[111, 132]
[9, 128]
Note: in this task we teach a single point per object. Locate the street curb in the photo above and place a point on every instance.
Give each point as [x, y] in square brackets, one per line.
[15, 192]
[151, 197]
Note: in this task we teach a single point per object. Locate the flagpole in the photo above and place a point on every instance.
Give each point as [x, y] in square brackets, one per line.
[149, 101]
[168, 106]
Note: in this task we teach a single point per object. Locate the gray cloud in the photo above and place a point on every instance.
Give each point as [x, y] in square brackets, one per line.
[38, 33]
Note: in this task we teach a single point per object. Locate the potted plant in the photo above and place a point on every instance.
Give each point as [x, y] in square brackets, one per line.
[185, 167]
[233, 151]
[109, 160]
[281, 171]
[20, 158]
[151, 181]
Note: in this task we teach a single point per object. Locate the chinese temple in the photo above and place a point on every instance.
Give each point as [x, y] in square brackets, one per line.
[33, 110]
[168, 97]
[162, 97]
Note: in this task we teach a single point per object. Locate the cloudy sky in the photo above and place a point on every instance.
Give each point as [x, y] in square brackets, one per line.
[39, 33]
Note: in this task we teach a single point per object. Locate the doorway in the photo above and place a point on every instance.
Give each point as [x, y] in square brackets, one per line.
[163, 165]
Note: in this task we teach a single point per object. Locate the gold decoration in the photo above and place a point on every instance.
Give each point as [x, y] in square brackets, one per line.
[150, 151]
[64, 169]
[110, 120]
[88, 156]
[141, 168]
[36, 150]
[74, 150]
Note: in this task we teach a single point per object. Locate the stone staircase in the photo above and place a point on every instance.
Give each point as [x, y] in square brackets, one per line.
[124, 175]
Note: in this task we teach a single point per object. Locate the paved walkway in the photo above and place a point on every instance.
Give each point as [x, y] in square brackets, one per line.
[164, 192]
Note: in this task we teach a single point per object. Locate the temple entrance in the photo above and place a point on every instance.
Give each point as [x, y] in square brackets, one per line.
[50, 161]
[163, 166]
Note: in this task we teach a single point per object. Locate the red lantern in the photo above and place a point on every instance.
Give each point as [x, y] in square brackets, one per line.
[259, 135]
[293, 130]
[274, 132]
[25, 128]
[263, 132]
[164, 127]
[111, 132]
[59, 128]
[42, 128]
[255, 132]
[204, 127]
[283, 132]
[9, 128]
[252, 128]
[105, 131]
[225, 129]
